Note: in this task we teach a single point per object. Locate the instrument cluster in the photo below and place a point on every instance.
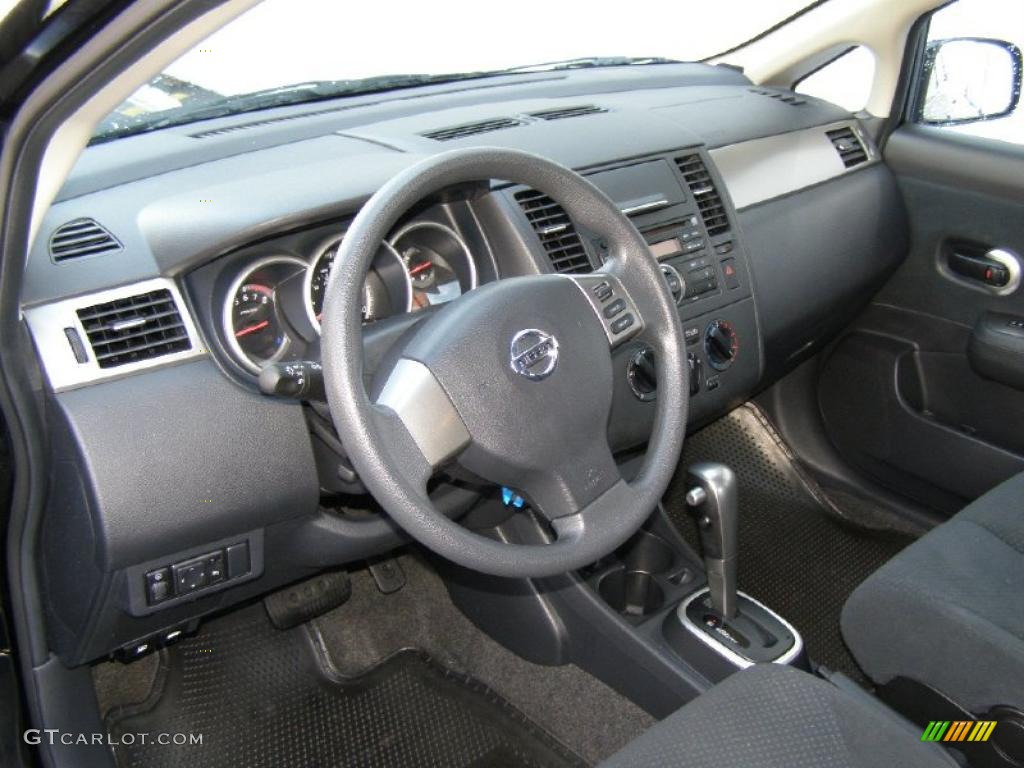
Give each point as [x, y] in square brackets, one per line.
[272, 309]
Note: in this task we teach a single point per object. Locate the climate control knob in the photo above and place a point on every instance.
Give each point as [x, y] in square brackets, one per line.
[721, 344]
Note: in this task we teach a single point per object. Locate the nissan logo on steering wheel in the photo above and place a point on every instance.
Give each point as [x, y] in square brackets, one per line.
[534, 353]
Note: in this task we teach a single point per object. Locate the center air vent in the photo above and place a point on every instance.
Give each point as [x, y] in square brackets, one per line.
[556, 232]
[81, 237]
[472, 129]
[851, 150]
[562, 113]
[135, 328]
[702, 187]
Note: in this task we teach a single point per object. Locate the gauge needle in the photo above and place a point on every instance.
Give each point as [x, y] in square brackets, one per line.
[421, 267]
[251, 329]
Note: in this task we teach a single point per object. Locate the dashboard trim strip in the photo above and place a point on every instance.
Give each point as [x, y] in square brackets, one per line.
[762, 169]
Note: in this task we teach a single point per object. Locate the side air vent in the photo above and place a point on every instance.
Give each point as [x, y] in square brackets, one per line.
[135, 328]
[563, 113]
[472, 129]
[849, 147]
[81, 237]
[709, 201]
[556, 232]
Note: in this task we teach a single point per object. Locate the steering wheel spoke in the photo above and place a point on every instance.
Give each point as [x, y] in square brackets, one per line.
[413, 396]
[618, 314]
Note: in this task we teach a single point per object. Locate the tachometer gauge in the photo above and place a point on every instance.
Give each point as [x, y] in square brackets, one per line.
[253, 326]
[439, 263]
[386, 290]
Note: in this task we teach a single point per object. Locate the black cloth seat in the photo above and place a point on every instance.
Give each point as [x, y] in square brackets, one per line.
[948, 611]
[770, 715]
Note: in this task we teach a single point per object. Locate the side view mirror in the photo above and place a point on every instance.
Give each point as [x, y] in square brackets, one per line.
[968, 80]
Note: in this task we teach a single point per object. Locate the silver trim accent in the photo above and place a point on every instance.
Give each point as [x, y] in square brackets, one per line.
[521, 359]
[762, 169]
[47, 322]
[740, 661]
[1011, 261]
[229, 302]
[307, 283]
[631, 366]
[466, 252]
[1003, 256]
[648, 207]
[682, 283]
[553, 229]
[425, 409]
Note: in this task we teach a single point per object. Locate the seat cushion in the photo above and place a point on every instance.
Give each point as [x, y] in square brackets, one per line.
[771, 715]
[948, 611]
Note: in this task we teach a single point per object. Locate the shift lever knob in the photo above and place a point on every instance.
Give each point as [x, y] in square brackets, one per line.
[712, 497]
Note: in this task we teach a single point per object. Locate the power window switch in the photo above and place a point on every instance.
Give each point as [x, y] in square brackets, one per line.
[158, 586]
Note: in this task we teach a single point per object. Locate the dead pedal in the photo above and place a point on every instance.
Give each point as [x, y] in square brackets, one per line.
[306, 600]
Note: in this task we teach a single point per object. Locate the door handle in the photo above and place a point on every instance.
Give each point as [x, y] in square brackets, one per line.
[995, 271]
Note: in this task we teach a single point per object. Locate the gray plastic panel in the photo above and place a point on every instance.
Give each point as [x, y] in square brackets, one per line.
[817, 256]
[180, 456]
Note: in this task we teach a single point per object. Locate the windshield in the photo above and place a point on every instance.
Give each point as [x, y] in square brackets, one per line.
[290, 51]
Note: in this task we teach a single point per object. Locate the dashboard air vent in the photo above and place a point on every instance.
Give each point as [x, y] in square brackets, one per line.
[786, 97]
[472, 129]
[849, 147]
[134, 328]
[562, 113]
[702, 186]
[81, 237]
[556, 232]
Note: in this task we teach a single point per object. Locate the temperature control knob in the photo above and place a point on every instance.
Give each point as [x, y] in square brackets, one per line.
[721, 344]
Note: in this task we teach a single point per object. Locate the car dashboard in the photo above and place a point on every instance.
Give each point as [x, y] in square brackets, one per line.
[177, 266]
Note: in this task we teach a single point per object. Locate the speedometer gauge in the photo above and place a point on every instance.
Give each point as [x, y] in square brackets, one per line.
[253, 324]
[386, 289]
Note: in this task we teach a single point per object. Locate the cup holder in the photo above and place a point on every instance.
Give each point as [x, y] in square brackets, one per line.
[633, 593]
[633, 588]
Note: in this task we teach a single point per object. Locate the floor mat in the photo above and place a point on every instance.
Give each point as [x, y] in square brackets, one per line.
[264, 698]
[799, 553]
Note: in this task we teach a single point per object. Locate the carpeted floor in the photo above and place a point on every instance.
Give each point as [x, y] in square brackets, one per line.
[264, 698]
[378, 651]
[576, 708]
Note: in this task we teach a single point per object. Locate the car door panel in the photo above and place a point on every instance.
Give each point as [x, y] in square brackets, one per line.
[905, 394]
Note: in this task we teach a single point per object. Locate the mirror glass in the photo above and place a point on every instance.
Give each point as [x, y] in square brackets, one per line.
[970, 80]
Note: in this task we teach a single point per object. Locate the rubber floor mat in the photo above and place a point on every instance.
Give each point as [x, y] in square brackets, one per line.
[798, 552]
[263, 698]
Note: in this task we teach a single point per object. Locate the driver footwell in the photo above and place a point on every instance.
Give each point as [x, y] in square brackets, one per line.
[263, 697]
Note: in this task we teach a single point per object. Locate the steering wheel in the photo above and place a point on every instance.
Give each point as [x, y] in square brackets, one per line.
[513, 381]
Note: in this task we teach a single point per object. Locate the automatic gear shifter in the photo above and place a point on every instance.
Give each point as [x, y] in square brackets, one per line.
[713, 498]
[719, 629]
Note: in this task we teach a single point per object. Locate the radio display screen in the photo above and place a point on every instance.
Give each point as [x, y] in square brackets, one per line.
[665, 248]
